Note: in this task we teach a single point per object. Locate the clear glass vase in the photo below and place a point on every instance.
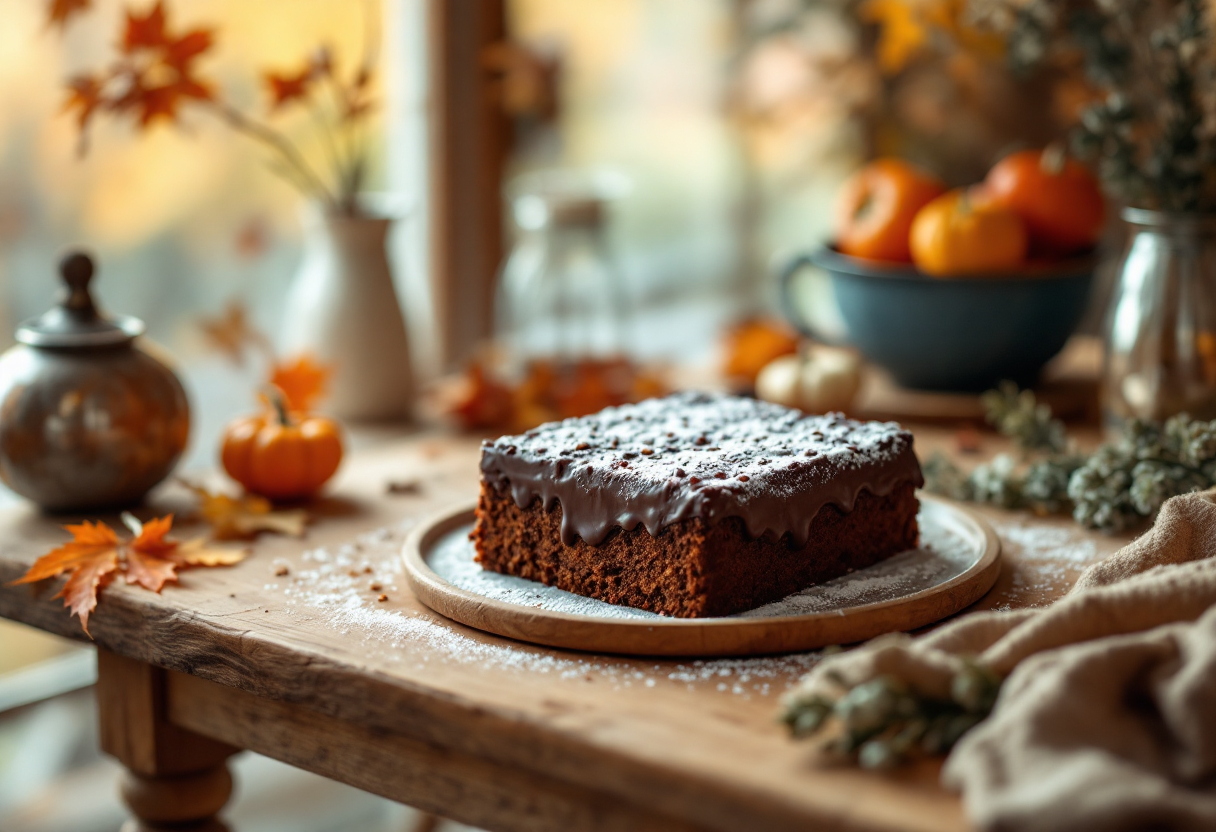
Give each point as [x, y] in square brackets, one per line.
[560, 297]
[1161, 331]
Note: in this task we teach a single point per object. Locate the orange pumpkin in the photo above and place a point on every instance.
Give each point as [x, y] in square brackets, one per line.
[1058, 198]
[957, 234]
[280, 455]
[877, 206]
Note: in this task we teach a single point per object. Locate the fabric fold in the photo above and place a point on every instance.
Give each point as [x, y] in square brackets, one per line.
[1106, 719]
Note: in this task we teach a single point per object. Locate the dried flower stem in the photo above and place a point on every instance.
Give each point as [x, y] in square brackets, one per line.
[330, 140]
[155, 76]
[1120, 485]
[283, 146]
[347, 178]
[1150, 127]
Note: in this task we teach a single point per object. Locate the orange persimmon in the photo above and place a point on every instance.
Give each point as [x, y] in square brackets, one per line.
[958, 234]
[1058, 198]
[877, 206]
[281, 455]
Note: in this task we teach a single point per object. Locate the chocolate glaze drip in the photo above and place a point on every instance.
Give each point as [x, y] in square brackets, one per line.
[699, 455]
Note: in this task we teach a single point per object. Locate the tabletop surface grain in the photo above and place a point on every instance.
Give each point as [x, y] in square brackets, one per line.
[302, 622]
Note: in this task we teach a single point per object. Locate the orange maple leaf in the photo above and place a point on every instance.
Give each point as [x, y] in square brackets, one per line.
[234, 334]
[482, 401]
[149, 571]
[161, 74]
[61, 11]
[302, 380]
[243, 517]
[151, 537]
[79, 593]
[85, 97]
[179, 52]
[95, 554]
[285, 88]
[89, 540]
[161, 100]
[144, 31]
[152, 102]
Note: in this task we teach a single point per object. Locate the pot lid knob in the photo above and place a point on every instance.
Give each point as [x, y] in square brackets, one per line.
[76, 321]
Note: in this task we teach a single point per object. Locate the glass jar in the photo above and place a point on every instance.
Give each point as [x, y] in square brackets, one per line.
[1161, 331]
[560, 297]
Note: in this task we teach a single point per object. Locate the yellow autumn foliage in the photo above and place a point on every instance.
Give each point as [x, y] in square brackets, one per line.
[909, 27]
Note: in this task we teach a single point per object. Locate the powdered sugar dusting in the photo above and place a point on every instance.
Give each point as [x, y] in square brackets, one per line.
[335, 586]
[947, 550]
[702, 455]
[1049, 543]
[703, 434]
[1048, 559]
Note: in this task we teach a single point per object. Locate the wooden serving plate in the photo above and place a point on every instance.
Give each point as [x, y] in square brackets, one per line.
[908, 591]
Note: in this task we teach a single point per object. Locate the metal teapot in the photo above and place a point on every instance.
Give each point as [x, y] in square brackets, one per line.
[88, 419]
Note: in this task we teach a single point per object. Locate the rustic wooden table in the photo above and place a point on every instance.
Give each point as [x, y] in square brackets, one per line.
[293, 655]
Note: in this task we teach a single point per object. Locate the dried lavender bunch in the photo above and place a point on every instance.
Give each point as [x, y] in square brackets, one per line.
[1150, 130]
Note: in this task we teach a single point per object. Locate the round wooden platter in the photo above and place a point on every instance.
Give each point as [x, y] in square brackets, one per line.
[653, 635]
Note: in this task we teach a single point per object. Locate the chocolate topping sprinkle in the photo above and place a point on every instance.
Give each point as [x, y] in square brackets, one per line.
[841, 458]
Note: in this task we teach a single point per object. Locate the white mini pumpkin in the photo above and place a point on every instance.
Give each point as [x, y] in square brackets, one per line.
[817, 380]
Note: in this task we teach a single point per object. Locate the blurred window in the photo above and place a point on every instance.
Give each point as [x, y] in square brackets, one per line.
[184, 218]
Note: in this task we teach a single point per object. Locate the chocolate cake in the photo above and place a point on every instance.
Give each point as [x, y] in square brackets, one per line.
[696, 504]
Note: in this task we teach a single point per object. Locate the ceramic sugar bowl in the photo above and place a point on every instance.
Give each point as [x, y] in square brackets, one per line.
[88, 419]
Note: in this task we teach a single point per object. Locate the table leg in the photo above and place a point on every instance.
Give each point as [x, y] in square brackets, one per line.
[175, 779]
[186, 802]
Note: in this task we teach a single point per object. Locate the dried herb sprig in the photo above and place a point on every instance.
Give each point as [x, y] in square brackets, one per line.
[1020, 416]
[1125, 482]
[1150, 128]
[1121, 484]
[1041, 486]
[883, 722]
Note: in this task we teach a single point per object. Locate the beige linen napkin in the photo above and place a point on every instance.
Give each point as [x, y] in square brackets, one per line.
[1107, 716]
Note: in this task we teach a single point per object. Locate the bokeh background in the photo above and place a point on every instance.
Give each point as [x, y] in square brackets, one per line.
[733, 121]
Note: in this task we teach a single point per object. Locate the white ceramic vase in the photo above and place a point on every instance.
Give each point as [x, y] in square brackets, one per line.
[342, 309]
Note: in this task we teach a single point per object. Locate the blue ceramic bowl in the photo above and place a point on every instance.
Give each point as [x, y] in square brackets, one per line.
[959, 333]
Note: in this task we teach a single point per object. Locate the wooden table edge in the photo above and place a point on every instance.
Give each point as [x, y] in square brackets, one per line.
[437, 720]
